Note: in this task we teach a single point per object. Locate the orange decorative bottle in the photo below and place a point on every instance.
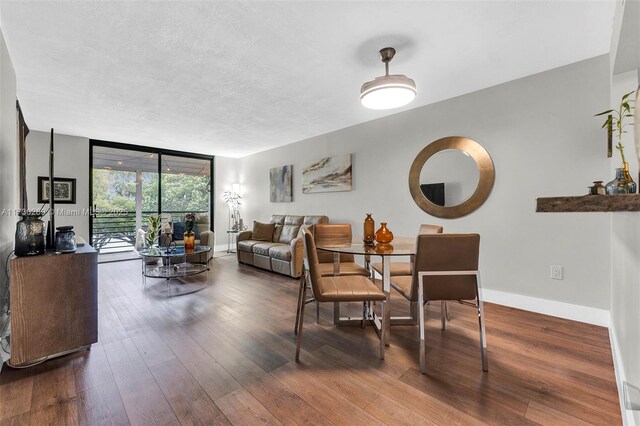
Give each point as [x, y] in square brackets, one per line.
[369, 230]
[383, 235]
[189, 242]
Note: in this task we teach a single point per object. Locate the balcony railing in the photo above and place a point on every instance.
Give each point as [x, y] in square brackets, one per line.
[117, 231]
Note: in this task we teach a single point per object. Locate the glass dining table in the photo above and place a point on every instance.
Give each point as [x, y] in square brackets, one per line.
[402, 246]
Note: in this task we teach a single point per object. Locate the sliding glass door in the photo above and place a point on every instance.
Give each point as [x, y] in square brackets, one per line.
[131, 183]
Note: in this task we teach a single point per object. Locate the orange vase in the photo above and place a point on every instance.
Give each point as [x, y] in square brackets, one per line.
[189, 242]
[383, 235]
[369, 230]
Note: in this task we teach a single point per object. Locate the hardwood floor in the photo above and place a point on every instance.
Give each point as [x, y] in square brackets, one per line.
[224, 355]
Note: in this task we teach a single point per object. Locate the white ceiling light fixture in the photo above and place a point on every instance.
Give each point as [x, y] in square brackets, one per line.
[388, 91]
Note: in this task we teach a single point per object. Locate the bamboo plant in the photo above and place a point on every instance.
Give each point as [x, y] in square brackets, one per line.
[617, 120]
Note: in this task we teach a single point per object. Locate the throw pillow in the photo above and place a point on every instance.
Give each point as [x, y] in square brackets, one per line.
[289, 232]
[277, 232]
[178, 231]
[262, 231]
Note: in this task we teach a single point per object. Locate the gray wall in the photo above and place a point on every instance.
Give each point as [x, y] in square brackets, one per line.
[71, 156]
[8, 163]
[544, 141]
[625, 255]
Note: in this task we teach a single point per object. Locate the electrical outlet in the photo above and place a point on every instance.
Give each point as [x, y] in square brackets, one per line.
[556, 272]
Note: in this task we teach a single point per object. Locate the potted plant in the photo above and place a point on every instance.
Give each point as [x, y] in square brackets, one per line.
[233, 201]
[153, 230]
[617, 121]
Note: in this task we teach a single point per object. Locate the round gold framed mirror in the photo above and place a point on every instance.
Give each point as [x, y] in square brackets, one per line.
[450, 186]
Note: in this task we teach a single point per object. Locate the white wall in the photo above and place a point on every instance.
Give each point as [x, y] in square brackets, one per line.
[8, 166]
[544, 141]
[71, 160]
[226, 174]
[625, 258]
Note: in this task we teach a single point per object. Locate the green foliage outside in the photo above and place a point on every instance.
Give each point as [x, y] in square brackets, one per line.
[115, 190]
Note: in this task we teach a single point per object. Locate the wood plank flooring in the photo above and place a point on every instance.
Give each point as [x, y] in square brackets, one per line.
[224, 355]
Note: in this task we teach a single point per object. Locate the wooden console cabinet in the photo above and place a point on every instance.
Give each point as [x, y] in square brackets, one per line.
[54, 304]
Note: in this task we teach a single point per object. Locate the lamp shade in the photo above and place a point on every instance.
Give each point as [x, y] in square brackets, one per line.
[388, 92]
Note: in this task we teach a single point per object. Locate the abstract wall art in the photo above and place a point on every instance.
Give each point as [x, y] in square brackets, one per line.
[330, 174]
[280, 178]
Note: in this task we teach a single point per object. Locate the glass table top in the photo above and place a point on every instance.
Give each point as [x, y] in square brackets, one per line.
[175, 251]
[401, 246]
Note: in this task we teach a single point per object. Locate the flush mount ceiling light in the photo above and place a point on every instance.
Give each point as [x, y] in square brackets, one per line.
[388, 91]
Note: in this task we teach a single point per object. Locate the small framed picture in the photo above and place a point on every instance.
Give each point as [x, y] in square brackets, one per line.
[64, 190]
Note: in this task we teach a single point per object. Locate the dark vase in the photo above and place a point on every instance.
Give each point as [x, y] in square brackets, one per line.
[619, 185]
[30, 235]
[369, 230]
[65, 239]
[383, 235]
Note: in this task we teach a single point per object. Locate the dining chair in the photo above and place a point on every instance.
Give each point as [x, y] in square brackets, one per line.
[336, 234]
[445, 268]
[332, 234]
[332, 289]
[405, 268]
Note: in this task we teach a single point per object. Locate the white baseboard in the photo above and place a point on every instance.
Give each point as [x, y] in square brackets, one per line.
[220, 247]
[564, 310]
[627, 415]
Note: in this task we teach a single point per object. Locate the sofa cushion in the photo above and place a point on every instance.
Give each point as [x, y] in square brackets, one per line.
[277, 218]
[289, 232]
[304, 228]
[293, 220]
[277, 232]
[178, 231]
[314, 220]
[263, 248]
[281, 251]
[262, 231]
[247, 245]
[202, 224]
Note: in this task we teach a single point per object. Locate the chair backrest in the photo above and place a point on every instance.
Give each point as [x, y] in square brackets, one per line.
[312, 262]
[425, 228]
[334, 234]
[446, 252]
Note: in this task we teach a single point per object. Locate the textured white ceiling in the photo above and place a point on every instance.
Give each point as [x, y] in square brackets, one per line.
[234, 78]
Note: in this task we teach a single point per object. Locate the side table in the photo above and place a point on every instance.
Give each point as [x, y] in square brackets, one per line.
[231, 233]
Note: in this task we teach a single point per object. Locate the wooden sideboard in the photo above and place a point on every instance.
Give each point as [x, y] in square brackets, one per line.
[54, 304]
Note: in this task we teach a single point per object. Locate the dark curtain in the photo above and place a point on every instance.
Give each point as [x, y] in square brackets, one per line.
[23, 131]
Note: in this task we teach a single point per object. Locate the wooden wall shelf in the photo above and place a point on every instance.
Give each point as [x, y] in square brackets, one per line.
[589, 203]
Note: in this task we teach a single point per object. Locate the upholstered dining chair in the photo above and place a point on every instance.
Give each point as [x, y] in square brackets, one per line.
[346, 288]
[332, 234]
[445, 268]
[405, 268]
[336, 234]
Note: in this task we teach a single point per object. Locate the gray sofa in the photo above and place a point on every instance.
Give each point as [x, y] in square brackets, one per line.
[284, 253]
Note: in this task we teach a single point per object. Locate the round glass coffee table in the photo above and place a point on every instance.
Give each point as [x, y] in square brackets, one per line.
[173, 265]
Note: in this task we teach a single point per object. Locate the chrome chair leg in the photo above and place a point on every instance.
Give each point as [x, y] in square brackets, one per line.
[443, 307]
[300, 301]
[483, 334]
[383, 307]
[421, 322]
[446, 310]
[413, 310]
[300, 323]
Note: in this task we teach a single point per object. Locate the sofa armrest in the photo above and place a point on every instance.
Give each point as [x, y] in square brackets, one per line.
[297, 254]
[206, 238]
[243, 235]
